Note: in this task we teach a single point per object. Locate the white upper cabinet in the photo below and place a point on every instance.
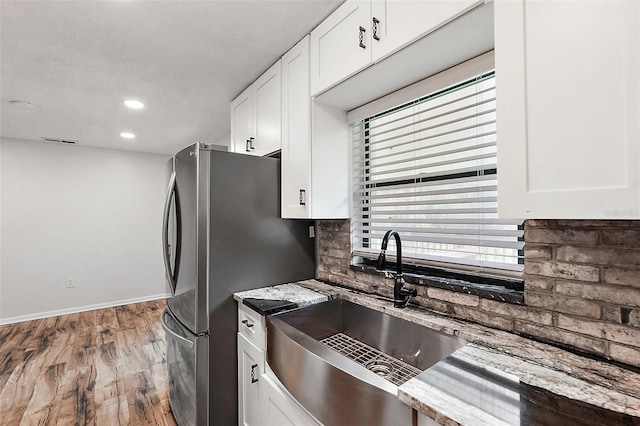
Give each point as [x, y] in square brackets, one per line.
[256, 115]
[296, 132]
[341, 44]
[360, 33]
[396, 23]
[568, 95]
[242, 121]
[268, 111]
[315, 147]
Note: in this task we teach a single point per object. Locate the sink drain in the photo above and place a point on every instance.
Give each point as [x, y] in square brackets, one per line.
[381, 367]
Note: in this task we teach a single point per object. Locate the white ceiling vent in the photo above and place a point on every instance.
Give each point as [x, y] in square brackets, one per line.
[58, 140]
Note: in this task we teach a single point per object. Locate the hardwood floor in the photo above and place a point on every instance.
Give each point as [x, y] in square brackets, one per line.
[103, 367]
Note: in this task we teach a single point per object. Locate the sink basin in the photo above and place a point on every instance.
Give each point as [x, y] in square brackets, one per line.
[344, 362]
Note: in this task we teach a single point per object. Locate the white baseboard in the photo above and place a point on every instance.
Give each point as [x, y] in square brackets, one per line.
[67, 311]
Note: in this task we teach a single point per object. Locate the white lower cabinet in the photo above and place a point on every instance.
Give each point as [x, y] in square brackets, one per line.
[250, 369]
[262, 399]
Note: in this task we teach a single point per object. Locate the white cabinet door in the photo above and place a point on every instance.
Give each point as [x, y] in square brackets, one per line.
[280, 409]
[396, 23]
[296, 132]
[267, 114]
[336, 51]
[315, 151]
[250, 369]
[241, 121]
[568, 95]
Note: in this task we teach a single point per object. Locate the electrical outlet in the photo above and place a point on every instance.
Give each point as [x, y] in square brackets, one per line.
[312, 231]
[70, 282]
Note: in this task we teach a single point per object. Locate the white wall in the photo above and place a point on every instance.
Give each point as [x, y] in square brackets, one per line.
[224, 141]
[72, 211]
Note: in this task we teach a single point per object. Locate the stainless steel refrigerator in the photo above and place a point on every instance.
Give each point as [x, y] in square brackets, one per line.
[222, 233]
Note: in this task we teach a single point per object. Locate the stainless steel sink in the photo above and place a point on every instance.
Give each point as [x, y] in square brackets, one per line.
[344, 362]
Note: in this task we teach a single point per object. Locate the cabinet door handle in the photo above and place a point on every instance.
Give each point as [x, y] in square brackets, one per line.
[361, 38]
[248, 146]
[254, 379]
[376, 21]
[251, 139]
[302, 197]
[247, 323]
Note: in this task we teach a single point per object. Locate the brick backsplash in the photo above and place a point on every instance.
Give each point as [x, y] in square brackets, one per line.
[582, 285]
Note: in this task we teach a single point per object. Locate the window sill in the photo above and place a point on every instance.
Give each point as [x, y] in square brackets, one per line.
[467, 286]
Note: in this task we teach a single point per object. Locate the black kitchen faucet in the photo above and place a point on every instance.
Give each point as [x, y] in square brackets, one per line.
[401, 294]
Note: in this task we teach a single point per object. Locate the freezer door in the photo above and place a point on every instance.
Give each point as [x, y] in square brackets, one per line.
[187, 359]
[185, 185]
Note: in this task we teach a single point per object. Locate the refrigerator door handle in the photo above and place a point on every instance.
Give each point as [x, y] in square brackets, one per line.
[165, 234]
[179, 338]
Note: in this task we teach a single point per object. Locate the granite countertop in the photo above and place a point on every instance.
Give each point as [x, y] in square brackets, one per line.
[291, 293]
[499, 377]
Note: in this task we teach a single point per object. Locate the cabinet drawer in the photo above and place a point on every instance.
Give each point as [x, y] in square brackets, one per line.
[251, 326]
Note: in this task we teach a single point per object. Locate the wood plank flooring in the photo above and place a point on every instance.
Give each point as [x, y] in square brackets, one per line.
[103, 367]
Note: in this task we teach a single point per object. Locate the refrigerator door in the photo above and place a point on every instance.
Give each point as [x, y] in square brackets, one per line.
[187, 360]
[187, 178]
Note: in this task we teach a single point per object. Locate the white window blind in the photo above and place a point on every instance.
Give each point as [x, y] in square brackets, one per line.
[427, 169]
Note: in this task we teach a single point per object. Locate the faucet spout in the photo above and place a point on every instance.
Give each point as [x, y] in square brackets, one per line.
[401, 293]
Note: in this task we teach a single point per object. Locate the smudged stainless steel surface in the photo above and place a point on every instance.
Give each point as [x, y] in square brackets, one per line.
[334, 388]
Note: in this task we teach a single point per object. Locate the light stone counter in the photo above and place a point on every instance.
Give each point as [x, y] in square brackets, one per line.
[528, 362]
[291, 292]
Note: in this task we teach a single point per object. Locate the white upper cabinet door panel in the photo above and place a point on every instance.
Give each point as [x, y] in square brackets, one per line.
[268, 111]
[296, 132]
[400, 22]
[579, 63]
[568, 80]
[335, 45]
[241, 121]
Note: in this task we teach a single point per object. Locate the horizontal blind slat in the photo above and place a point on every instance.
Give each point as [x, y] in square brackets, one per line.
[359, 157]
[467, 242]
[430, 156]
[439, 201]
[448, 220]
[482, 179]
[456, 231]
[422, 176]
[451, 171]
[439, 125]
[429, 212]
[453, 132]
[442, 105]
[468, 190]
[373, 133]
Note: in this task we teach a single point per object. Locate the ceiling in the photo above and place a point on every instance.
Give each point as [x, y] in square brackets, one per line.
[76, 61]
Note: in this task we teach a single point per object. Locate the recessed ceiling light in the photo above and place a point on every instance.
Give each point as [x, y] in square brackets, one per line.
[127, 135]
[21, 104]
[133, 104]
